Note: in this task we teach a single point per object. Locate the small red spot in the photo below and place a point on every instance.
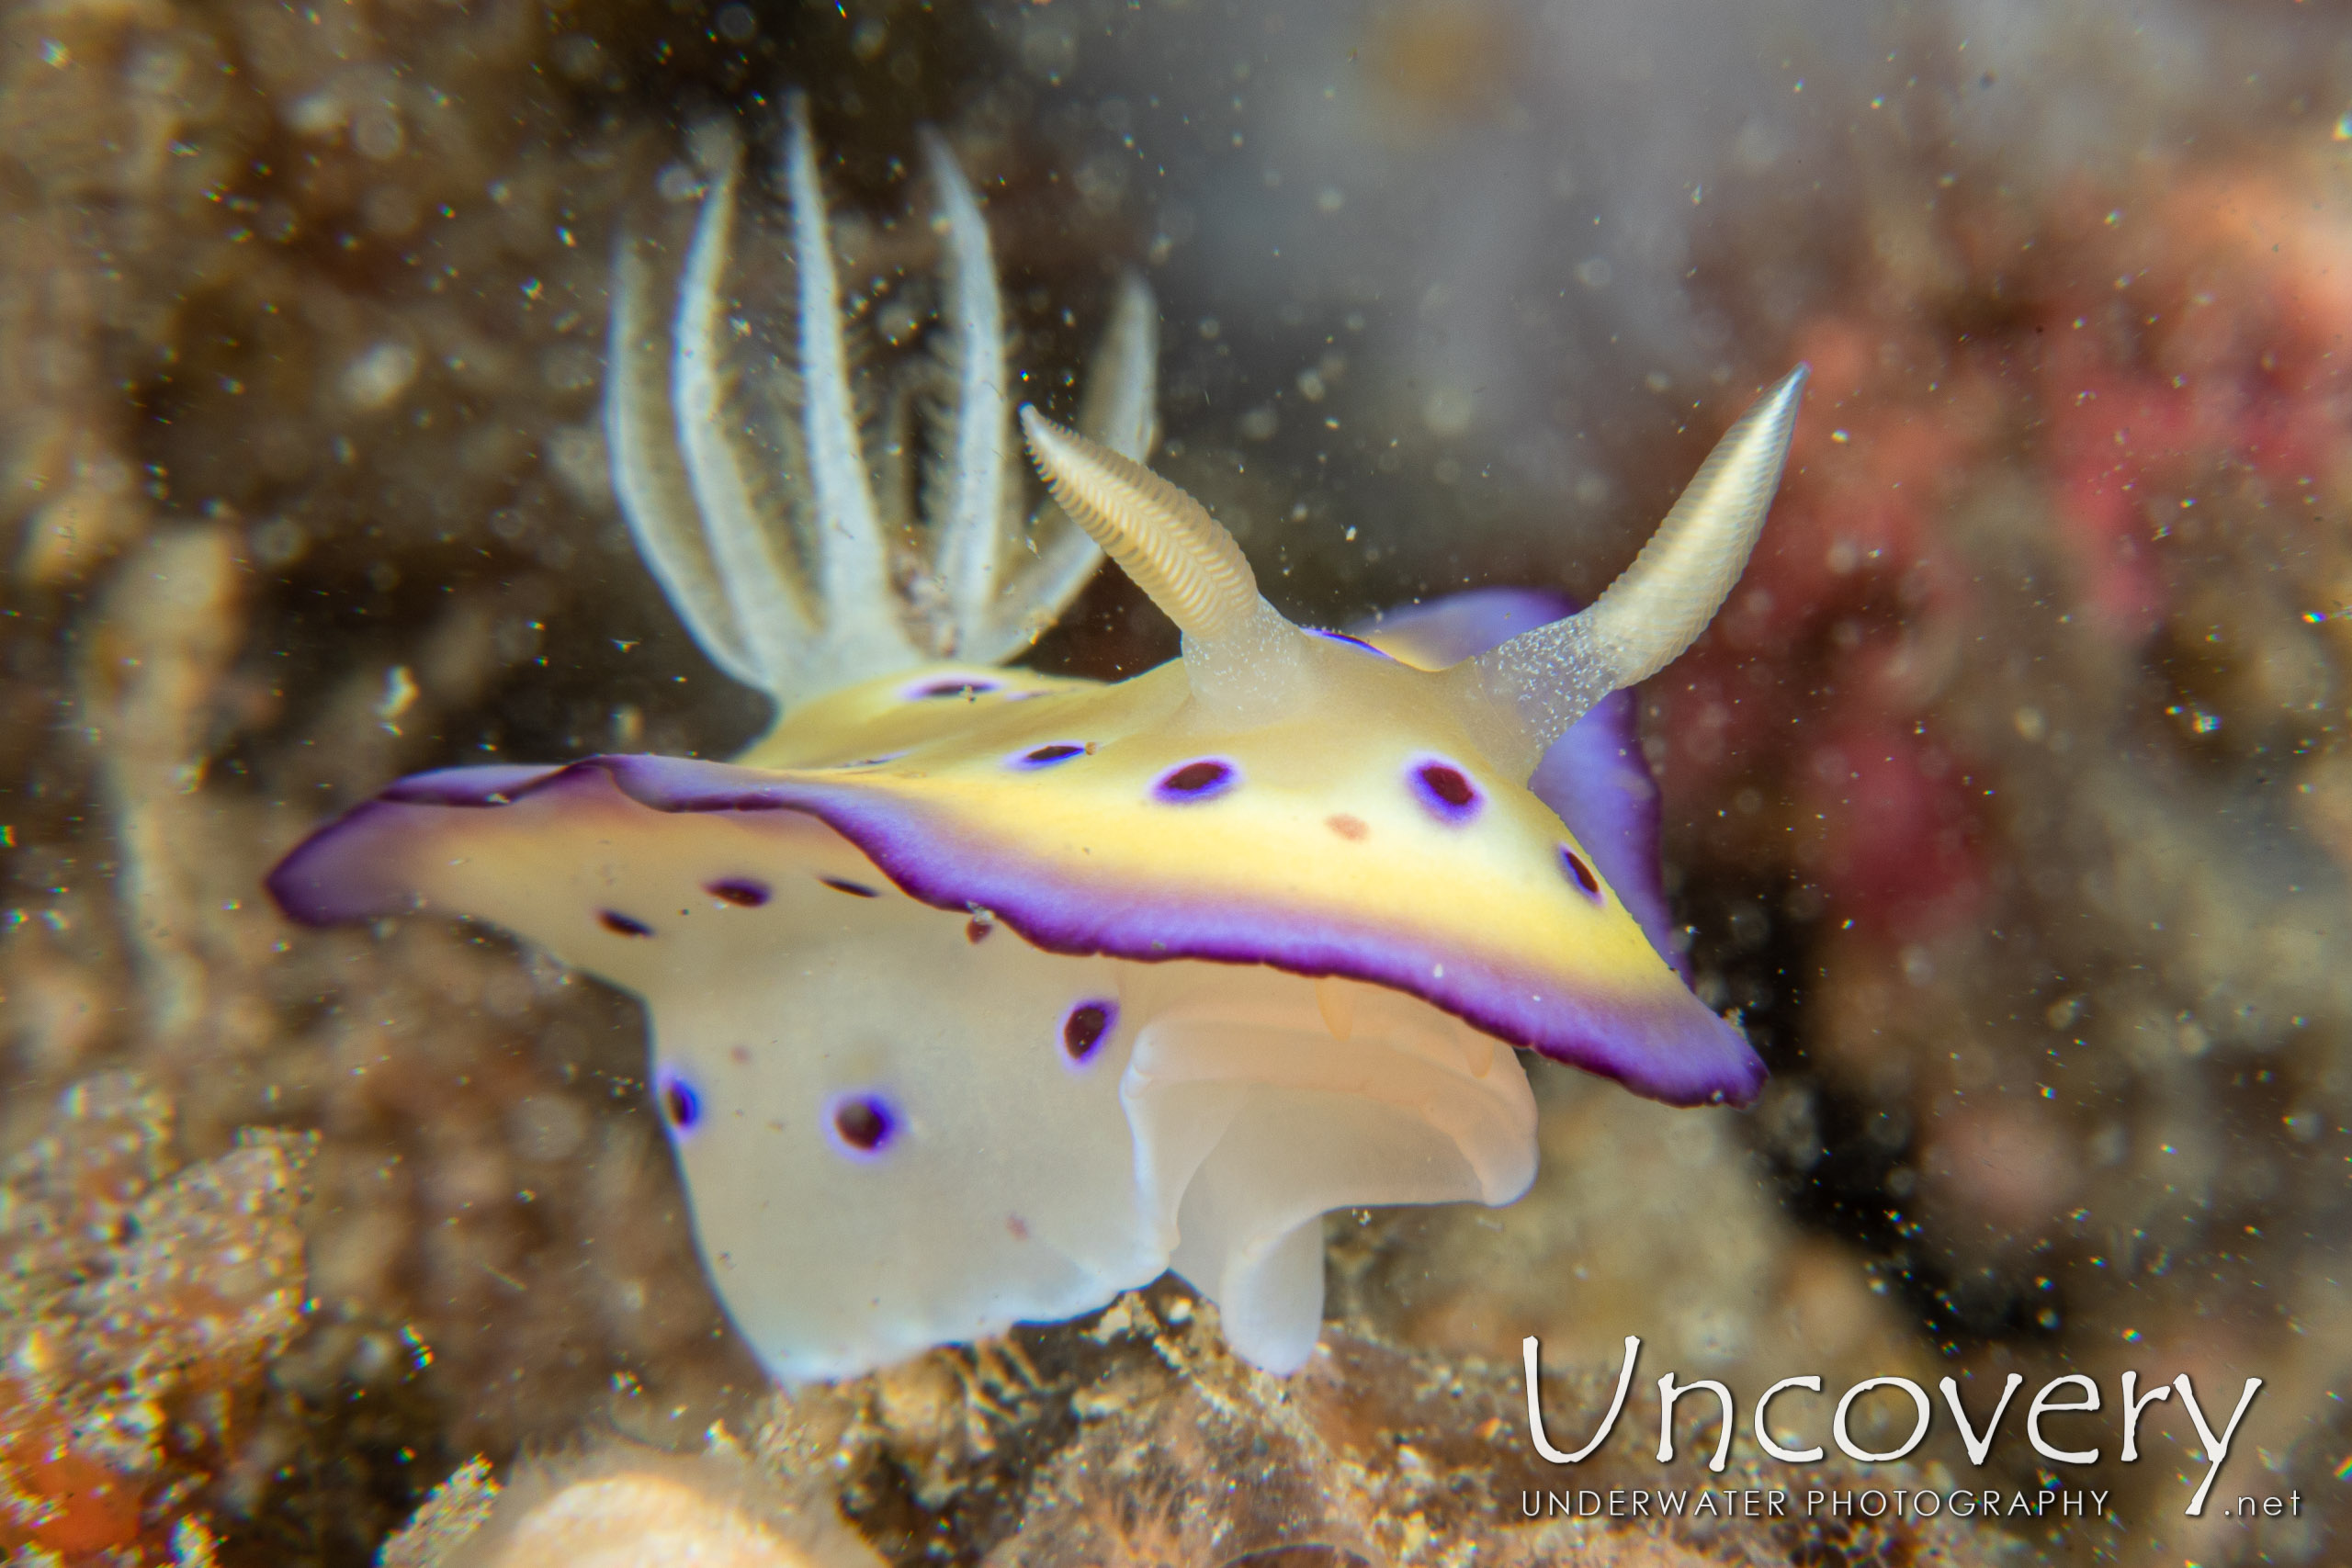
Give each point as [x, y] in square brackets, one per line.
[977, 928]
[1349, 828]
[1017, 1226]
[739, 1055]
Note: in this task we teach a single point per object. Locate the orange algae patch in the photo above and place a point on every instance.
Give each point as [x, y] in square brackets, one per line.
[50, 1494]
[138, 1313]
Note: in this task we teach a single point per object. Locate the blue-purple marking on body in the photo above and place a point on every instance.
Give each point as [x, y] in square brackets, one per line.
[1580, 873]
[1351, 642]
[950, 686]
[1444, 790]
[680, 1103]
[1048, 756]
[1202, 779]
[1085, 1028]
[863, 1124]
[743, 892]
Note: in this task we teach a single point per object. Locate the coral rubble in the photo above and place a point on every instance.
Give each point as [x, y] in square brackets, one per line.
[140, 1311]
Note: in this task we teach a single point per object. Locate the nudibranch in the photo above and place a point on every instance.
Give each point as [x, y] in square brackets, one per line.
[978, 995]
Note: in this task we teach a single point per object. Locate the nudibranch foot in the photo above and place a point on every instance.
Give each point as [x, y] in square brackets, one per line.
[748, 478]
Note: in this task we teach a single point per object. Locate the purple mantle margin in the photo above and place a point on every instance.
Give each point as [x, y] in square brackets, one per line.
[1664, 1045]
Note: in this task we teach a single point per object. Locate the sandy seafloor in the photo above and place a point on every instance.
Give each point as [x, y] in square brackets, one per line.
[2007, 798]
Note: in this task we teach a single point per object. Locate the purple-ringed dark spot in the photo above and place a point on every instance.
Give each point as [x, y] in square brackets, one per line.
[864, 1123]
[1579, 873]
[1445, 790]
[854, 890]
[619, 924]
[745, 891]
[1048, 756]
[1084, 1028]
[953, 686]
[681, 1103]
[1353, 642]
[1195, 781]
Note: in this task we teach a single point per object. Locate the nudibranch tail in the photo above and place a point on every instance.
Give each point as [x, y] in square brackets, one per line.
[1534, 686]
[744, 472]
